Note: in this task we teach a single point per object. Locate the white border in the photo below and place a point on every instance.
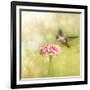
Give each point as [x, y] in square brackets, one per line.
[51, 80]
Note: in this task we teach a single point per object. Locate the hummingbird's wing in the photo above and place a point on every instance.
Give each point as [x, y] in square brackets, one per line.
[60, 32]
[72, 37]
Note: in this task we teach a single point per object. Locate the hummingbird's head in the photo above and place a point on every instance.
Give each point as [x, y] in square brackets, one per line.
[57, 36]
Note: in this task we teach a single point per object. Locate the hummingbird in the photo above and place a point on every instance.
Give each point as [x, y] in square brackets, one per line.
[64, 39]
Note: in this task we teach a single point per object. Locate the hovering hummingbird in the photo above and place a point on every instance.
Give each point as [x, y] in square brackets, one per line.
[64, 39]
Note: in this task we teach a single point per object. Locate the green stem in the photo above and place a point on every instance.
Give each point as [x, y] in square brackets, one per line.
[50, 64]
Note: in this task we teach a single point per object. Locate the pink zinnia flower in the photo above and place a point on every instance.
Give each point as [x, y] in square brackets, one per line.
[51, 49]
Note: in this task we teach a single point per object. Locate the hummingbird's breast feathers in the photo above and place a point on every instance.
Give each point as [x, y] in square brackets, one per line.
[61, 38]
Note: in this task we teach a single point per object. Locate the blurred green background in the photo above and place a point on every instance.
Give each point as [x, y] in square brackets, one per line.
[39, 28]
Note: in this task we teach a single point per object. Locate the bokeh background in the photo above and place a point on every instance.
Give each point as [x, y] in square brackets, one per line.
[39, 28]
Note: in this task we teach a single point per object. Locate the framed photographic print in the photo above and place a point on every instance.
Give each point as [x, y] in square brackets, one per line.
[48, 44]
